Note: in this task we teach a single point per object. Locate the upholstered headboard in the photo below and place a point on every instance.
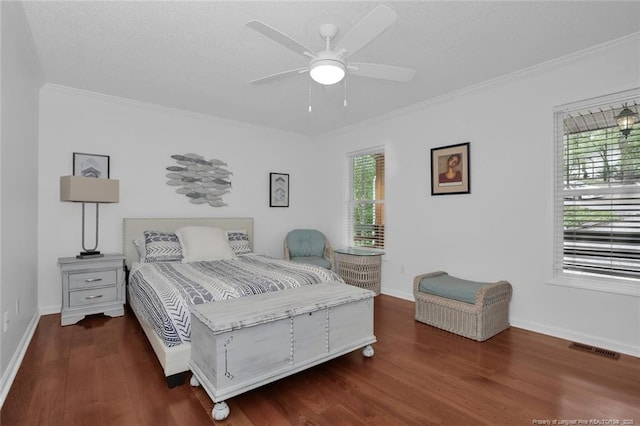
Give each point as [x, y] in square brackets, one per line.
[133, 227]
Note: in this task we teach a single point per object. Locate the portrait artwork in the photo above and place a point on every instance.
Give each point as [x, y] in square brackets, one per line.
[450, 169]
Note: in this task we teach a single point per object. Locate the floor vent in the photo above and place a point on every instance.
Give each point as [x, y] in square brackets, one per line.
[592, 349]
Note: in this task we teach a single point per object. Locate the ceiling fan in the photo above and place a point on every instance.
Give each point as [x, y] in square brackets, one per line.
[330, 65]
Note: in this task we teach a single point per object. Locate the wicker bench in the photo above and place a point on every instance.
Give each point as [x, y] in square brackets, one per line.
[485, 318]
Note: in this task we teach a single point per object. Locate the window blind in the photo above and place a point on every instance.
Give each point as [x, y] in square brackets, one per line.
[597, 193]
[365, 203]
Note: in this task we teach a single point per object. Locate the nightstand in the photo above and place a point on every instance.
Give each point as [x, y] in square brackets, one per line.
[361, 268]
[92, 286]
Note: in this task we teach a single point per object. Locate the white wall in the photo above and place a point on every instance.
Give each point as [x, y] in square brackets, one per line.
[19, 85]
[504, 228]
[140, 139]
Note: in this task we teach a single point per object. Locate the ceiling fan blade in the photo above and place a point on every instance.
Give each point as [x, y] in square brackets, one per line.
[279, 75]
[365, 31]
[280, 38]
[383, 72]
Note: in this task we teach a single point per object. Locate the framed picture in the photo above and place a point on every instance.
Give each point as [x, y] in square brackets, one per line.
[450, 170]
[91, 165]
[278, 190]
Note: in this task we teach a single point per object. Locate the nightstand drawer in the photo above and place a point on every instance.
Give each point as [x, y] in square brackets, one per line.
[92, 279]
[88, 297]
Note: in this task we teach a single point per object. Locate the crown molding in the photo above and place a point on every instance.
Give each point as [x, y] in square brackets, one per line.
[510, 77]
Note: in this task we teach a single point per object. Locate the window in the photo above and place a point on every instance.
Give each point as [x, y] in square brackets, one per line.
[597, 196]
[365, 205]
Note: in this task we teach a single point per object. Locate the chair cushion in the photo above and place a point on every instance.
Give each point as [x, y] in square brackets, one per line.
[305, 243]
[313, 260]
[451, 288]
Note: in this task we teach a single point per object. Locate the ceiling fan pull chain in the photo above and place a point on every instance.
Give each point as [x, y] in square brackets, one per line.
[309, 96]
[345, 92]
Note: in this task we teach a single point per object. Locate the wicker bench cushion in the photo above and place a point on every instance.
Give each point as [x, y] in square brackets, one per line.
[451, 288]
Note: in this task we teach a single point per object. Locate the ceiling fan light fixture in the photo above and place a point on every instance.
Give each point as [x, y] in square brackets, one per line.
[327, 71]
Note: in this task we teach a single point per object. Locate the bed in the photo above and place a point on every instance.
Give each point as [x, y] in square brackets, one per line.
[150, 284]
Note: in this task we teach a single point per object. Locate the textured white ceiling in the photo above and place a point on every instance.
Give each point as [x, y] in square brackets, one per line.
[200, 56]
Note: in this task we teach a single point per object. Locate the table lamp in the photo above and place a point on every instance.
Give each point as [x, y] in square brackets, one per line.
[84, 190]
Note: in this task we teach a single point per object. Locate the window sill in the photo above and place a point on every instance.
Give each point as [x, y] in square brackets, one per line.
[607, 285]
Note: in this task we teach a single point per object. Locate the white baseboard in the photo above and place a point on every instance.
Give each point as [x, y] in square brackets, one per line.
[16, 360]
[47, 310]
[577, 337]
[399, 295]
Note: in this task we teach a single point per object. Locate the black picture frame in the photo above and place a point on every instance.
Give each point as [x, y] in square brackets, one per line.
[91, 165]
[278, 190]
[446, 180]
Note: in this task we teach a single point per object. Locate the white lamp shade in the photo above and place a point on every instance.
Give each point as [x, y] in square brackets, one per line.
[327, 71]
[89, 190]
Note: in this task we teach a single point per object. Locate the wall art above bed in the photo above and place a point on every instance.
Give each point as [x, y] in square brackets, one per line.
[201, 181]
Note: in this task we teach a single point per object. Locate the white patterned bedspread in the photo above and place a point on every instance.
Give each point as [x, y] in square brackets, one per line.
[163, 292]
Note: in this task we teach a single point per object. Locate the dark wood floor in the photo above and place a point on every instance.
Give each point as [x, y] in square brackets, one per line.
[102, 371]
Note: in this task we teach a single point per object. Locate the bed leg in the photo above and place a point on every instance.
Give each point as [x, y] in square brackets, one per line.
[368, 351]
[194, 381]
[175, 380]
[220, 411]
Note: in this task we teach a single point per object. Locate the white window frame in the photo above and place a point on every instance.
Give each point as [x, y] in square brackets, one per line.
[615, 285]
[348, 225]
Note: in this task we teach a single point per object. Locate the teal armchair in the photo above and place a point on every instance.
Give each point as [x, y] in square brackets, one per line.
[309, 246]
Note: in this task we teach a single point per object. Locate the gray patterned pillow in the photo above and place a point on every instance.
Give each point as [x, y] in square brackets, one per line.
[162, 247]
[239, 241]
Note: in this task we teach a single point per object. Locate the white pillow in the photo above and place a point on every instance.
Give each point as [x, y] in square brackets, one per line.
[202, 243]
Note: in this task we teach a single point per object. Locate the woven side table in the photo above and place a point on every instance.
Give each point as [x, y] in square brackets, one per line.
[360, 268]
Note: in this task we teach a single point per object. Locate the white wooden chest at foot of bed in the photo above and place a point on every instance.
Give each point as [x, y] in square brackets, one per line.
[241, 344]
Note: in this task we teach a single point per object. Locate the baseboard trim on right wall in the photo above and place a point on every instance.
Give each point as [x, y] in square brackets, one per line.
[577, 337]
